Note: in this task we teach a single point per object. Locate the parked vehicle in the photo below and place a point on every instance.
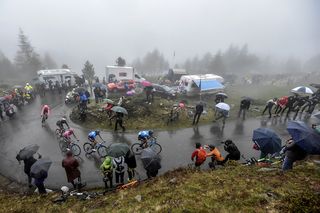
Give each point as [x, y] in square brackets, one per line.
[164, 91]
[50, 77]
[201, 84]
[115, 74]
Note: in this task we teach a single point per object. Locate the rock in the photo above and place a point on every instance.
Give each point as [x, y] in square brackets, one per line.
[173, 181]
[266, 169]
[138, 198]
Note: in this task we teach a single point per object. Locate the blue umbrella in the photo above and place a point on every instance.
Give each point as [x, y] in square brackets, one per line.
[304, 136]
[267, 140]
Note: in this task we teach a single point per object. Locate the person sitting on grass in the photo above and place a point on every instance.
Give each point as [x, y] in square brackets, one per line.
[216, 157]
[293, 152]
[199, 154]
[233, 151]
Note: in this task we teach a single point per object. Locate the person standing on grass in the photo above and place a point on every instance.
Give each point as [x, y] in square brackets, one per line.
[244, 106]
[71, 165]
[119, 121]
[107, 171]
[118, 165]
[199, 154]
[199, 110]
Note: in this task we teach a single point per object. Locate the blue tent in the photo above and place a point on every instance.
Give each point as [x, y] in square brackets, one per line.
[207, 84]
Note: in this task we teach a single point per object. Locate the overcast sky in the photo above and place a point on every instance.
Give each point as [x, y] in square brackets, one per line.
[73, 31]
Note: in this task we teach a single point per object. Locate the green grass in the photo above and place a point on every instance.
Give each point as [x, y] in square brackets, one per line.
[234, 188]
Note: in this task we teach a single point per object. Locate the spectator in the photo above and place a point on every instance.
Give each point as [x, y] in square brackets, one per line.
[118, 164]
[293, 153]
[269, 105]
[199, 110]
[200, 154]
[70, 164]
[215, 155]
[233, 151]
[244, 106]
[107, 171]
[27, 166]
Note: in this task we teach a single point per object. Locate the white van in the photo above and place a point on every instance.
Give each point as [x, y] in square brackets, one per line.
[61, 75]
[204, 84]
[116, 73]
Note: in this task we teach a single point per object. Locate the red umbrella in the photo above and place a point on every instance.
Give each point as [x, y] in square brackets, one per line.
[146, 83]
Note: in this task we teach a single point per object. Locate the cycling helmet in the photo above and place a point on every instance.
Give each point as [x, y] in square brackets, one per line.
[150, 132]
[63, 119]
[97, 132]
[64, 189]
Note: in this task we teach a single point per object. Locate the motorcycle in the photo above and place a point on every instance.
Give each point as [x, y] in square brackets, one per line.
[9, 110]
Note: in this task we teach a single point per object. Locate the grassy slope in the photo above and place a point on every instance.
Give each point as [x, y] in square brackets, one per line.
[235, 188]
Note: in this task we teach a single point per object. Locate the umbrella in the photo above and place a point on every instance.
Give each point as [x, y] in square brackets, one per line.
[118, 149]
[317, 115]
[150, 159]
[97, 84]
[146, 83]
[28, 151]
[80, 89]
[267, 140]
[304, 136]
[302, 90]
[119, 109]
[223, 106]
[315, 86]
[17, 87]
[109, 101]
[39, 166]
[246, 98]
[222, 94]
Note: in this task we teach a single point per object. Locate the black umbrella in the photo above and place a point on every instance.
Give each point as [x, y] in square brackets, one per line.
[28, 151]
[79, 89]
[118, 149]
[119, 109]
[40, 166]
[315, 85]
[221, 94]
[150, 159]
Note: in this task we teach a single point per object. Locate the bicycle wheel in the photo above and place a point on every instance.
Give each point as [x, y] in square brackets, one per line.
[87, 147]
[63, 145]
[156, 147]
[102, 151]
[58, 133]
[136, 148]
[75, 148]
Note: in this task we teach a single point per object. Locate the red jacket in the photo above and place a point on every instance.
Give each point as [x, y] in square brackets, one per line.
[199, 159]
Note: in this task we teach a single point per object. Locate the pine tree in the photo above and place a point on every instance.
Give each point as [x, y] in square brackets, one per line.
[26, 60]
[88, 73]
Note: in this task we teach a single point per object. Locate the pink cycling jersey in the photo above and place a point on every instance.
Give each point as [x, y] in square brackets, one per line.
[45, 110]
[67, 134]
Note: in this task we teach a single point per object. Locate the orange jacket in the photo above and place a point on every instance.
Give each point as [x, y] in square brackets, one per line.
[216, 154]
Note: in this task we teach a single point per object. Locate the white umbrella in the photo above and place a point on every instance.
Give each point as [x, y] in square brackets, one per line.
[302, 90]
[223, 106]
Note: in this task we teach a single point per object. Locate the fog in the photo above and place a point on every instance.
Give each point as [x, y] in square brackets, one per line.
[74, 31]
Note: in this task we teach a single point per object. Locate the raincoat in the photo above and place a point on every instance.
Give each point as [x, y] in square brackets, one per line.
[70, 164]
[107, 166]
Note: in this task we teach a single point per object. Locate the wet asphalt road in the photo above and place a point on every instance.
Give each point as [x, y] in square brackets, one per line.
[177, 145]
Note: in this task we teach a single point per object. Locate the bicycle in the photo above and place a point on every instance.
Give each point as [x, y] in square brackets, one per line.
[101, 149]
[43, 119]
[59, 132]
[137, 148]
[71, 145]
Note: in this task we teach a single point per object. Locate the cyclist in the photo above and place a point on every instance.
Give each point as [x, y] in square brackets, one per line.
[62, 122]
[144, 136]
[92, 138]
[45, 111]
[67, 135]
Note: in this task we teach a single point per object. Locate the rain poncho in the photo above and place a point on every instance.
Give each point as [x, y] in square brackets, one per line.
[107, 166]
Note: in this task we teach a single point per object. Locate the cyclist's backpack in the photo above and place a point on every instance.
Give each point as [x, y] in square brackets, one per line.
[202, 155]
[119, 164]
